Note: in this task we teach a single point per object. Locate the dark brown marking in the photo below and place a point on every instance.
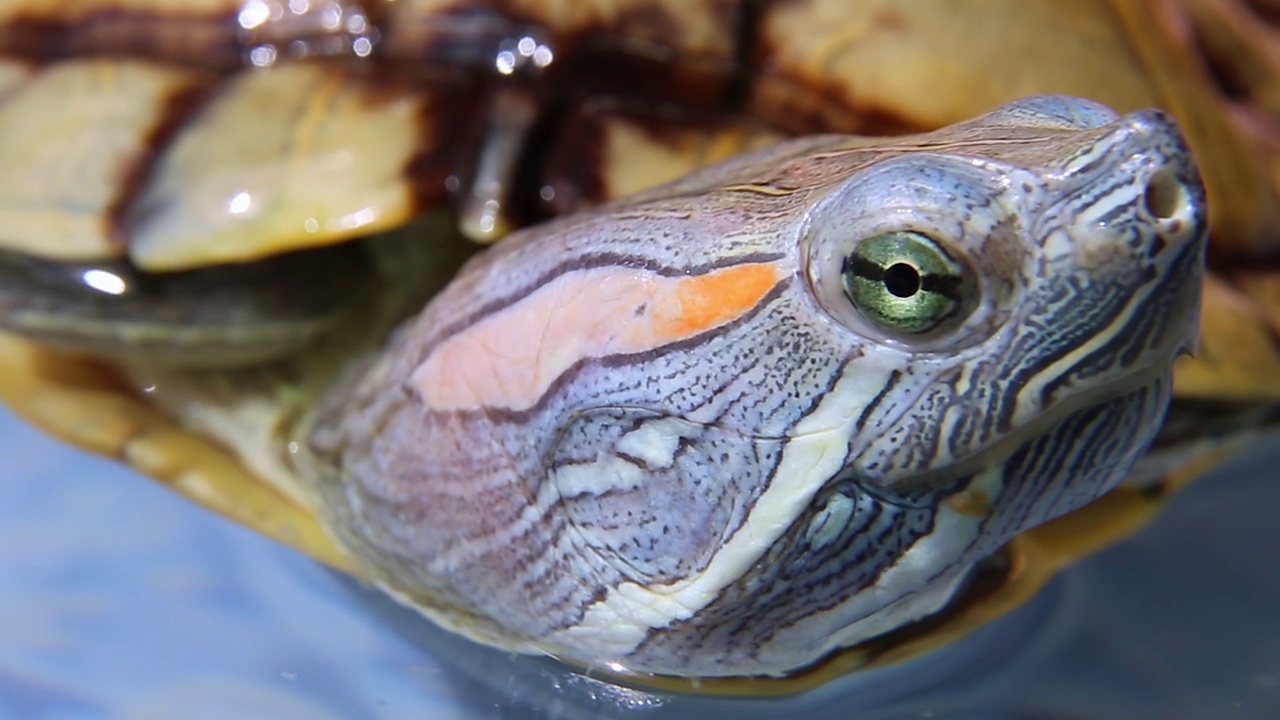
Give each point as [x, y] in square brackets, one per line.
[203, 41]
[889, 20]
[800, 106]
[574, 161]
[636, 55]
[174, 113]
[450, 143]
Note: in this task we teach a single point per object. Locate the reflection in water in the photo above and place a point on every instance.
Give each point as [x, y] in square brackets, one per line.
[121, 600]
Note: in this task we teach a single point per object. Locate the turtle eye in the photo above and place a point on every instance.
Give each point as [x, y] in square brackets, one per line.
[905, 282]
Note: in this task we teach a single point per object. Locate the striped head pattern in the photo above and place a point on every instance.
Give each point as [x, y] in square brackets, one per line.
[782, 405]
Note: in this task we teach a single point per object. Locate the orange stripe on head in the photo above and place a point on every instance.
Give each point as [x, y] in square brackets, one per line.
[510, 358]
[711, 300]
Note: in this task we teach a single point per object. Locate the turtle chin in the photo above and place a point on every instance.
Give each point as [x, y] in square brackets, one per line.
[1078, 459]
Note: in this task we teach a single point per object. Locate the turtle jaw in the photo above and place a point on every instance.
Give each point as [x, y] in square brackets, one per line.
[1080, 455]
[1144, 349]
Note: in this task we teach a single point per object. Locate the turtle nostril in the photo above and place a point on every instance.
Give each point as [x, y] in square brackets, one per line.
[1165, 197]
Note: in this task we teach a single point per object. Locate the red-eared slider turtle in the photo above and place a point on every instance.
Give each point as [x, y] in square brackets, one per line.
[816, 397]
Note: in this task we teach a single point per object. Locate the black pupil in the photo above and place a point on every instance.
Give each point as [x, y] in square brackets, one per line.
[902, 280]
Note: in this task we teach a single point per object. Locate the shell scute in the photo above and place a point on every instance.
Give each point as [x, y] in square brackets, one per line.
[70, 137]
[299, 156]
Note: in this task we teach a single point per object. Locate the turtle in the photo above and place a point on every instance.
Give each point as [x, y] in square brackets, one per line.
[161, 162]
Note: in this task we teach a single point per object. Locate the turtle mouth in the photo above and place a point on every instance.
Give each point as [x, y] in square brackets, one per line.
[1084, 452]
[883, 564]
[928, 488]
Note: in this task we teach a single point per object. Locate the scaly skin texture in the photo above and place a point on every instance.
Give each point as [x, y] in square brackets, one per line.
[144, 134]
[660, 436]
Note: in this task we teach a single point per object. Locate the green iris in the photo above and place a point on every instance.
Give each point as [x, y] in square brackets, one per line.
[905, 282]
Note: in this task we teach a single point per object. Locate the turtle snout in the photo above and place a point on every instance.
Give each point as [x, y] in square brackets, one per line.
[1127, 234]
[1170, 193]
[1170, 213]
[1163, 223]
[1132, 195]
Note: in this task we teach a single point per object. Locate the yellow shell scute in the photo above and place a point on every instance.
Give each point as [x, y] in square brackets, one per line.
[299, 156]
[70, 136]
[927, 64]
[85, 404]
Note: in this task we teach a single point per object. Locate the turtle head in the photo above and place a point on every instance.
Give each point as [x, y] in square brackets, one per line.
[780, 406]
[1015, 270]
[1008, 297]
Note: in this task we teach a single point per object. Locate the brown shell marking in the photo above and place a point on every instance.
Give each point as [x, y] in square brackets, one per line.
[672, 50]
[357, 135]
[71, 136]
[301, 156]
[198, 33]
[628, 149]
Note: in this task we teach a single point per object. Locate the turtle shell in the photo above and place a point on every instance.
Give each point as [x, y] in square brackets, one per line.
[158, 140]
